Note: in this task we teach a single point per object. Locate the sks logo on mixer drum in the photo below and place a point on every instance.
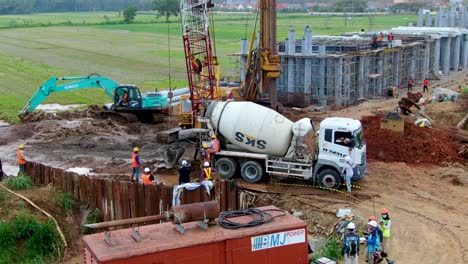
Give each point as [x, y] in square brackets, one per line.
[251, 141]
[278, 239]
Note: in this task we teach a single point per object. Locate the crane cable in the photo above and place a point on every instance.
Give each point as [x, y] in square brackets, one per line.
[258, 216]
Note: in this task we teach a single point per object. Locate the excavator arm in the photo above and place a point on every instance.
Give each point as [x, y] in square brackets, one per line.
[76, 83]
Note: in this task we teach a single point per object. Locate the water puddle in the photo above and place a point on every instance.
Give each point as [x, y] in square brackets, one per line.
[52, 108]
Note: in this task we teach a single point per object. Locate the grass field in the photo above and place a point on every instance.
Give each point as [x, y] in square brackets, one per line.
[73, 44]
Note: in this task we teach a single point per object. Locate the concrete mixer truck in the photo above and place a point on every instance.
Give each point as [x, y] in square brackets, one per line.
[256, 140]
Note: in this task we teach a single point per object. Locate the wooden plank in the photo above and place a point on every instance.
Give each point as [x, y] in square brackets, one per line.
[93, 194]
[222, 196]
[140, 202]
[117, 202]
[166, 197]
[82, 192]
[76, 186]
[69, 182]
[64, 181]
[46, 174]
[148, 201]
[155, 199]
[132, 195]
[125, 204]
[99, 197]
[109, 200]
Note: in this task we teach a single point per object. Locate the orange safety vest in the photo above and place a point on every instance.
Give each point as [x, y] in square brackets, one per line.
[207, 174]
[134, 161]
[146, 179]
[21, 160]
[207, 155]
[215, 146]
[426, 82]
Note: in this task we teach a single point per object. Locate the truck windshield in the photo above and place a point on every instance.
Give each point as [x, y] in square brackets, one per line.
[358, 138]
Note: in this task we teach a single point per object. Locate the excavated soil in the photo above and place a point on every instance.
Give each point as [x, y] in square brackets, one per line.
[417, 145]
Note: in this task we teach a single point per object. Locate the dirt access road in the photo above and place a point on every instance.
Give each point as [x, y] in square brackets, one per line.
[427, 200]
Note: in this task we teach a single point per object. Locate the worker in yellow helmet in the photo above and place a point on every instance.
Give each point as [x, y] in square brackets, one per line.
[205, 153]
[21, 159]
[136, 164]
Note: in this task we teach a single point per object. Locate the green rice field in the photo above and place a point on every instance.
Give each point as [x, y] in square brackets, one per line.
[36, 47]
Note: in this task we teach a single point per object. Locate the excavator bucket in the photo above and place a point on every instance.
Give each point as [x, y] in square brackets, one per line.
[170, 155]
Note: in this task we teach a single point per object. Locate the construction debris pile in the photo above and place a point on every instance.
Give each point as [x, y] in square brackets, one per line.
[417, 145]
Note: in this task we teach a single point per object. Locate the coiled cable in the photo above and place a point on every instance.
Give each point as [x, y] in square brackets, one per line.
[258, 216]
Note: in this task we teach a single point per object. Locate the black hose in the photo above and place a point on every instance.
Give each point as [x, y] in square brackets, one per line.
[258, 216]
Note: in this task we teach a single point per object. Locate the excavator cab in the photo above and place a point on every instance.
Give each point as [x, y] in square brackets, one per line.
[127, 97]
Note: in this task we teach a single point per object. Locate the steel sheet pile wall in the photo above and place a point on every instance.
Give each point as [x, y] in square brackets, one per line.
[121, 199]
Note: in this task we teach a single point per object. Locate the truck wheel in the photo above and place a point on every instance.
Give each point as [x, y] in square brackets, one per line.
[226, 167]
[329, 178]
[251, 171]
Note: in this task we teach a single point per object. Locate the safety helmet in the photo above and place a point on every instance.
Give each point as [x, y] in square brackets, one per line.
[373, 223]
[147, 169]
[351, 225]
[213, 136]
[372, 218]
[21, 146]
[136, 149]
[184, 163]
[384, 211]
[206, 164]
[205, 145]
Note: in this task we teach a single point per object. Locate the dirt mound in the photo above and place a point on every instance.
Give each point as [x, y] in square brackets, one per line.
[420, 145]
[91, 112]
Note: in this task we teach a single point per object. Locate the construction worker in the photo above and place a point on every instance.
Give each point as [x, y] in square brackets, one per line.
[147, 177]
[380, 40]
[136, 164]
[379, 231]
[348, 172]
[373, 240]
[350, 245]
[425, 85]
[123, 100]
[214, 144]
[410, 84]
[206, 172]
[184, 172]
[390, 38]
[21, 159]
[385, 224]
[374, 44]
[205, 153]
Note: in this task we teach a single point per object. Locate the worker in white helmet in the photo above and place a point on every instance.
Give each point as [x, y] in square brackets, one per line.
[184, 172]
[373, 240]
[147, 177]
[350, 245]
[206, 172]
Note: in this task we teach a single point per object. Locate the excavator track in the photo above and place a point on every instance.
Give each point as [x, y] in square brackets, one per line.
[125, 118]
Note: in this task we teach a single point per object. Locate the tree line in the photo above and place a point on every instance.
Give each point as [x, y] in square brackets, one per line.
[37, 6]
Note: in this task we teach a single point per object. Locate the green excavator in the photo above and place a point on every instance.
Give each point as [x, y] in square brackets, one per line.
[128, 103]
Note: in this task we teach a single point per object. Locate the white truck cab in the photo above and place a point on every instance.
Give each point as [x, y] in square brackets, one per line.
[339, 137]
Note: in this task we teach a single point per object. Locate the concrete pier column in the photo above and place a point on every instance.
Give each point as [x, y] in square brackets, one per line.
[452, 14]
[380, 72]
[455, 58]
[397, 69]
[321, 88]
[426, 59]
[420, 17]
[347, 83]
[290, 52]
[436, 20]
[441, 15]
[436, 63]
[339, 82]
[243, 58]
[428, 19]
[464, 51]
[412, 66]
[366, 76]
[330, 81]
[445, 54]
[307, 51]
[361, 77]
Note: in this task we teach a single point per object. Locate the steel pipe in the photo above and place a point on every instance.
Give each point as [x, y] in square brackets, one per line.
[130, 221]
[194, 212]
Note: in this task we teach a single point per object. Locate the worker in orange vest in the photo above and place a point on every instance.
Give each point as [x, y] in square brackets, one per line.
[147, 177]
[206, 172]
[214, 144]
[425, 85]
[136, 164]
[21, 159]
